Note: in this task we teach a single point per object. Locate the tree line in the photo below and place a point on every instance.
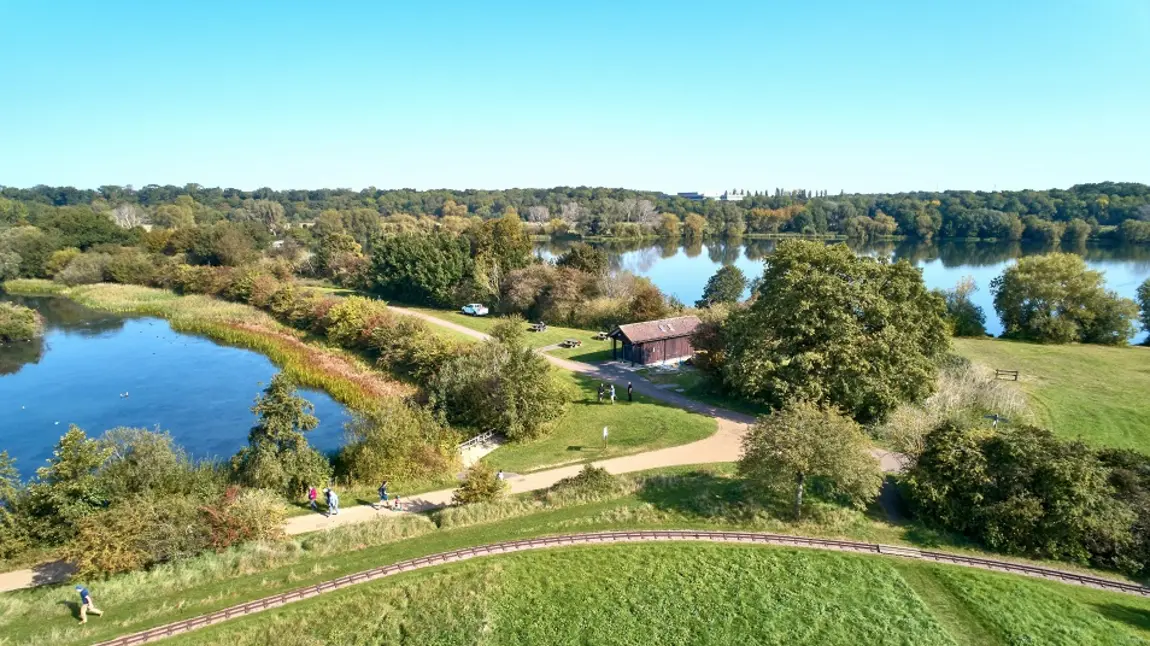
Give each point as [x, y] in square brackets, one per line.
[1108, 210]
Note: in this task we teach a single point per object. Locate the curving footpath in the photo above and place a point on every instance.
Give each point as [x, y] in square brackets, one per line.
[267, 603]
[725, 445]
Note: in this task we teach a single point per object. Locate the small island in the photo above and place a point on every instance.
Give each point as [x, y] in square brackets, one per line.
[19, 323]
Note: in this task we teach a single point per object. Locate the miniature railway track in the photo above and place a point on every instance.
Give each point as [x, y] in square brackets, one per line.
[596, 538]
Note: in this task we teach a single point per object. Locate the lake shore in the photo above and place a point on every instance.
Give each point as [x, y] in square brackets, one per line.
[345, 377]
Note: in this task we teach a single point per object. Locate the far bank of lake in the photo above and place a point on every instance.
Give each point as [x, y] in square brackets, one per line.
[682, 270]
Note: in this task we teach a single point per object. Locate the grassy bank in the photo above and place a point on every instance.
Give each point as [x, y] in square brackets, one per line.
[1094, 392]
[673, 498]
[591, 350]
[309, 362]
[691, 383]
[699, 594]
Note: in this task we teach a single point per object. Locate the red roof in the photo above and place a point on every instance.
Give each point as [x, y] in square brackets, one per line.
[657, 330]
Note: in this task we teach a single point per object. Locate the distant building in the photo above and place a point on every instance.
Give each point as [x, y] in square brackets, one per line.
[723, 196]
[654, 342]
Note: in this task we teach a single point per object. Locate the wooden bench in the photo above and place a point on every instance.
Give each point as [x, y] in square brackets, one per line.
[1012, 375]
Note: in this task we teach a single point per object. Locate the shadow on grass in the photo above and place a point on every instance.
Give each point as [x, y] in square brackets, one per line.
[1136, 617]
[73, 607]
[697, 493]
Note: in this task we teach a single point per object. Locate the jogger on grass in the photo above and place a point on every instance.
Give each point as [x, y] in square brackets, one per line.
[86, 604]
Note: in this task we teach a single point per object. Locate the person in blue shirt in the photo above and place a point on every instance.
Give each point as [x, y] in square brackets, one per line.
[86, 604]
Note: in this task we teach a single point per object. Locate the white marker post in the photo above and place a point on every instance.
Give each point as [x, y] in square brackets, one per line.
[604, 437]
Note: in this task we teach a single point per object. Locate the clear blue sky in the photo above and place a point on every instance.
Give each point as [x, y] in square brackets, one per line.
[675, 96]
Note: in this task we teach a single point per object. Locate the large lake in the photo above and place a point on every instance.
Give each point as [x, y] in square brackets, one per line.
[198, 390]
[682, 271]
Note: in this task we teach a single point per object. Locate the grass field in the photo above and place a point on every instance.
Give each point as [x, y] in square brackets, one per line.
[681, 497]
[1101, 394]
[697, 594]
[577, 437]
[591, 351]
[689, 382]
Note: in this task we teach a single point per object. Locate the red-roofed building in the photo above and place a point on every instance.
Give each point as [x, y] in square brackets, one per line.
[653, 342]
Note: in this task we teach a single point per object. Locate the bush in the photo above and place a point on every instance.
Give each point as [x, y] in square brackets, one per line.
[479, 485]
[85, 269]
[132, 268]
[243, 515]
[135, 534]
[59, 260]
[19, 323]
[592, 481]
[394, 441]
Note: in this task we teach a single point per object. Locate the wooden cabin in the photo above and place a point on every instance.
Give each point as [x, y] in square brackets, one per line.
[654, 342]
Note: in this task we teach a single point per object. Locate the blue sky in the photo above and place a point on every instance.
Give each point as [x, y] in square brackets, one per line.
[674, 96]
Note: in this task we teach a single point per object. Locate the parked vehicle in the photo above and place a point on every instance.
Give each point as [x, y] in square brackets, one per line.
[475, 309]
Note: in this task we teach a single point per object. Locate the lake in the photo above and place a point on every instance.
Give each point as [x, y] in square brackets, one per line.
[682, 270]
[198, 390]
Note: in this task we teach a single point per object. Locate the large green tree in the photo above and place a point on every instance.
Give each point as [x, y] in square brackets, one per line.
[1055, 298]
[726, 286]
[1144, 304]
[419, 268]
[278, 456]
[966, 318]
[832, 327]
[584, 257]
[804, 442]
[1020, 490]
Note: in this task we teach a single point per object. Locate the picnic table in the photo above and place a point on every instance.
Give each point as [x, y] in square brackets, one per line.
[570, 343]
[601, 336]
[538, 327]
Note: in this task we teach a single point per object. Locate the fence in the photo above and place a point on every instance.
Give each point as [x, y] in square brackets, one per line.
[1006, 374]
[482, 438]
[267, 603]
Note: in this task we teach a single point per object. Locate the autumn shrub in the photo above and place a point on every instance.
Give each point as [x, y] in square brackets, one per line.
[243, 515]
[262, 289]
[479, 485]
[19, 323]
[59, 259]
[591, 481]
[347, 321]
[84, 269]
[398, 441]
[136, 533]
[132, 268]
[408, 346]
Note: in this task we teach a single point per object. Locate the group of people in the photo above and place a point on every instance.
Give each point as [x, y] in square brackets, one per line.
[330, 497]
[384, 498]
[605, 391]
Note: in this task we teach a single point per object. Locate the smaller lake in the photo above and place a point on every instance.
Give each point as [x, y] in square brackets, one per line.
[199, 391]
[682, 270]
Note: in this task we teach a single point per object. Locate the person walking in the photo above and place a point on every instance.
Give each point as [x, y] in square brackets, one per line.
[311, 499]
[499, 476]
[86, 604]
[612, 393]
[629, 389]
[600, 392]
[398, 506]
[383, 494]
[332, 502]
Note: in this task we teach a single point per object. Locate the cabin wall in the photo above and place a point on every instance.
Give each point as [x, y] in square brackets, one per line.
[659, 351]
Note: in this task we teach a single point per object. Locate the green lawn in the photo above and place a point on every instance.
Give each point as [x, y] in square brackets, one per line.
[1101, 394]
[697, 594]
[577, 437]
[682, 497]
[689, 382]
[591, 350]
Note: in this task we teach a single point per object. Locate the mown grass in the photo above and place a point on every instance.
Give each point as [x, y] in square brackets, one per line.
[681, 497]
[307, 361]
[1100, 394]
[638, 594]
[591, 351]
[693, 384]
[635, 427]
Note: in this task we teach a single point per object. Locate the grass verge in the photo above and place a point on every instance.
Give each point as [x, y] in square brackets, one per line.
[693, 384]
[635, 427]
[1097, 393]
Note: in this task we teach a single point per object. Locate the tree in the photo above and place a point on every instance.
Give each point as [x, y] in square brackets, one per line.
[128, 216]
[502, 385]
[1144, 304]
[966, 318]
[584, 257]
[479, 485]
[1020, 490]
[419, 268]
[804, 441]
[726, 286]
[1054, 298]
[395, 440]
[67, 489]
[278, 456]
[173, 216]
[836, 328]
[669, 227]
[695, 226]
